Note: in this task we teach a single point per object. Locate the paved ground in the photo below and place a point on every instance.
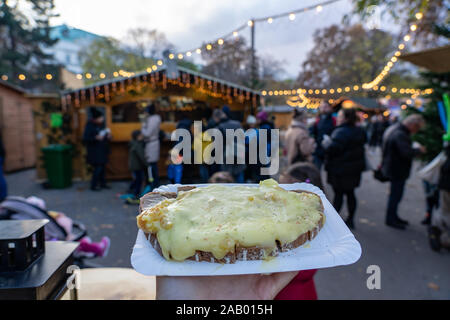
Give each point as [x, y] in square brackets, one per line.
[409, 269]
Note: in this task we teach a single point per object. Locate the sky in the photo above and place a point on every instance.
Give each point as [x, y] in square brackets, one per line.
[189, 23]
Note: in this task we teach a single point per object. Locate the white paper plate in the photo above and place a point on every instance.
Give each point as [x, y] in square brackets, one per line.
[335, 245]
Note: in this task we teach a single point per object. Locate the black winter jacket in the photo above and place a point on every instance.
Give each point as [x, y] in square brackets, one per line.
[97, 151]
[345, 155]
[398, 153]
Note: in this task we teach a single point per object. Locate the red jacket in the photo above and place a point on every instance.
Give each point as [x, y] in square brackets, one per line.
[300, 288]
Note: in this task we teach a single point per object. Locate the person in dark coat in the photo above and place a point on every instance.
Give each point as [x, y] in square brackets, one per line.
[398, 154]
[96, 138]
[3, 185]
[345, 160]
[324, 125]
[137, 162]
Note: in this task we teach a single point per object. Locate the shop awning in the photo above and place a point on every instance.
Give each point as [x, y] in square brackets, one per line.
[436, 59]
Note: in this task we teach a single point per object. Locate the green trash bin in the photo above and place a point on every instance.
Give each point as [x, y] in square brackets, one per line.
[58, 163]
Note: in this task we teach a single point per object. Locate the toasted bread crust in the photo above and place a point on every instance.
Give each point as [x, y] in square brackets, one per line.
[240, 253]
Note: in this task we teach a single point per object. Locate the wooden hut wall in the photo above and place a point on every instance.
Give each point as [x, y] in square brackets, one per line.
[17, 132]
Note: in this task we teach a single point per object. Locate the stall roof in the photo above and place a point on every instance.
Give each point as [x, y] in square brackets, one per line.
[435, 59]
[367, 104]
[12, 86]
[164, 70]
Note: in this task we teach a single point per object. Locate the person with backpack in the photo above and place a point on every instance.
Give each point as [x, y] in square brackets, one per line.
[299, 145]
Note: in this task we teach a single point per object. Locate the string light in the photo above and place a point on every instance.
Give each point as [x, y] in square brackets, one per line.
[250, 23]
[48, 76]
[4, 77]
[88, 76]
[102, 75]
[319, 8]
[235, 33]
[291, 16]
[79, 76]
[220, 41]
[198, 51]
[419, 15]
[270, 20]
[208, 47]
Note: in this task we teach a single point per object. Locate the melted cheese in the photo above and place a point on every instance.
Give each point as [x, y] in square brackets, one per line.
[216, 218]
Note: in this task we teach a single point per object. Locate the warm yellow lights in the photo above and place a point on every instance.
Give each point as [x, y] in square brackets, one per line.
[270, 20]
[394, 59]
[22, 77]
[310, 91]
[235, 33]
[317, 91]
[250, 23]
[198, 51]
[383, 88]
[48, 76]
[180, 56]
[397, 53]
[264, 92]
[154, 67]
[88, 76]
[79, 76]
[394, 90]
[220, 41]
[403, 106]
[102, 75]
[159, 63]
[407, 37]
[401, 46]
[292, 16]
[319, 8]
[355, 88]
[208, 47]
[4, 77]
[413, 27]
[171, 56]
[347, 89]
[331, 91]
[324, 91]
[188, 54]
[419, 15]
[339, 90]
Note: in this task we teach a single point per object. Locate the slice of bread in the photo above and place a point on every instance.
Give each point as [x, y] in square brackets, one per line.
[240, 253]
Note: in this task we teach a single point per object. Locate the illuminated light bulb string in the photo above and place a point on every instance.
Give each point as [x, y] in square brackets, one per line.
[372, 85]
[181, 55]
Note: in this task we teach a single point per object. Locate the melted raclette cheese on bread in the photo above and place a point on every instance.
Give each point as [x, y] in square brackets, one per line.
[217, 218]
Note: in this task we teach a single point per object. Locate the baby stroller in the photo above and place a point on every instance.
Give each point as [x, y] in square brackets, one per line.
[19, 208]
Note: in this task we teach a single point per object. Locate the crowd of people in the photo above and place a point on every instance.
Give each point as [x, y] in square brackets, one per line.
[333, 142]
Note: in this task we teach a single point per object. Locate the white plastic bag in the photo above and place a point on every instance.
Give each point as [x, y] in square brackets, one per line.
[430, 172]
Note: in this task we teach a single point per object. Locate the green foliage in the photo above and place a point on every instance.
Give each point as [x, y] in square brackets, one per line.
[23, 39]
[435, 12]
[431, 135]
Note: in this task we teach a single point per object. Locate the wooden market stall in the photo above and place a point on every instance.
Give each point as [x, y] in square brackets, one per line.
[16, 127]
[176, 90]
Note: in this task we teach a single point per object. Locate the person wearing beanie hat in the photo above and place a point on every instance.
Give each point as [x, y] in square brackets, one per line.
[96, 138]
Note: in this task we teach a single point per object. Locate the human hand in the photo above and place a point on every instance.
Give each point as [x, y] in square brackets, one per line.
[234, 287]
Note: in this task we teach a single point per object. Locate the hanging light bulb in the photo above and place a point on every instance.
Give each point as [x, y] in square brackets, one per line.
[220, 41]
[270, 20]
[48, 76]
[188, 54]
[291, 16]
[419, 15]
[198, 50]
[319, 8]
[250, 23]
[407, 37]
[413, 27]
[102, 75]
[171, 56]
[235, 33]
